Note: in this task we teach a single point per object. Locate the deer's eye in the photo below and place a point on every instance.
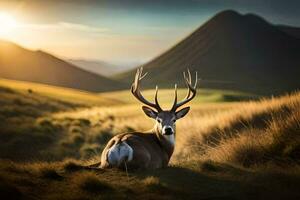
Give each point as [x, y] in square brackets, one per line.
[174, 120]
[159, 120]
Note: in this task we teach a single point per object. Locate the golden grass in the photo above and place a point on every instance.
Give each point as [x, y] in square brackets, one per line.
[166, 96]
[218, 132]
[119, 97]
[207, 131]
[90, 182]
[229, 150]
[249, 134]
[61, 93]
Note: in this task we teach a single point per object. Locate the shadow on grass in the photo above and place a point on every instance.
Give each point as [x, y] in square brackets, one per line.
[222, 181]
[8, 191]
[205, 180]
[190, 184]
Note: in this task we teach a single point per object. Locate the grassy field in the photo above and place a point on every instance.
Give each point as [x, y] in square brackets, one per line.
[225, 148]
[66, 94]
[119, 97]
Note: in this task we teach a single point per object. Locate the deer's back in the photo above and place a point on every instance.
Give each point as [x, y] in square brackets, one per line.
[146, 151]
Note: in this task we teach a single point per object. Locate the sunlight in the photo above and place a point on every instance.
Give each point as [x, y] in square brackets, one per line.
[7, 24]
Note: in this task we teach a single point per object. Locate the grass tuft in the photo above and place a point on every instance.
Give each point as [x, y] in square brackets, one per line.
[72, 165]
[153, 184]
[91, 183]
[8, 191]
[49, 173]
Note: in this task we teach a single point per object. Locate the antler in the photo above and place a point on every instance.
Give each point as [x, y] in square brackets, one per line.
[135, 90]
[192, 90]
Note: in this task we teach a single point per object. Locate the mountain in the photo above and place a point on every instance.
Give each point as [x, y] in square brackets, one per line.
[99, 67]
[293, 31]
[231, 51]
[37, 66]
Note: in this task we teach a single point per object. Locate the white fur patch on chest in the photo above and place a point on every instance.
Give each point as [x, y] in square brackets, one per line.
[170, 138]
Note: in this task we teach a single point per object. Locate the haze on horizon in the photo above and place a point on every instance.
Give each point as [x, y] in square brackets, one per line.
[122, 31]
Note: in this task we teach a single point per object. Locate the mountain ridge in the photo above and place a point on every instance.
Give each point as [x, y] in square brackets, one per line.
[98, 67]
[245, 51]
[30, 66]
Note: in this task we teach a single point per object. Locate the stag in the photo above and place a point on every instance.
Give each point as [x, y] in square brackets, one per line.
[151, 149]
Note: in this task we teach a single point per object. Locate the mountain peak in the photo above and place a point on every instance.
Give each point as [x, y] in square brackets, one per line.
[232, 51]
[234, 17]
[226, 18]
[228, 13]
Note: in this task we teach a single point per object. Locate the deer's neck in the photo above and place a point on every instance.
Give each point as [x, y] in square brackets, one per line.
[167, 142]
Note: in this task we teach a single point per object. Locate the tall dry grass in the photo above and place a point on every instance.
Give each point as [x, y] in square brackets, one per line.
[251, 134]
[35, 127]
[223, 150]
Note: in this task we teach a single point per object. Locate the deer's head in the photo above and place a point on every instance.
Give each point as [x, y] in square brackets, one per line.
[165, 119]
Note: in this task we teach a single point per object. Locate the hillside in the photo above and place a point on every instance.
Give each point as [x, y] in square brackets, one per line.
[293, 31]
[69, 95]
[231, 51]
[98, 67]
[37, 66]
[86, 99]
[236, 150]
[31, 110]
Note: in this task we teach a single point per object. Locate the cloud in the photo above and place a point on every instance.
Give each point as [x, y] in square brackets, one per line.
[65, 26]
[82, 27]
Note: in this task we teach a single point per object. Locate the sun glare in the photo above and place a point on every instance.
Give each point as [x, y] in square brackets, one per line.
[7, 24]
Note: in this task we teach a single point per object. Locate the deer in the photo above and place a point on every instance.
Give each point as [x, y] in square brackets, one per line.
[150, 149]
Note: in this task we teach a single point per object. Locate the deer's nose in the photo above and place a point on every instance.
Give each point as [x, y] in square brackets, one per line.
[168, 131]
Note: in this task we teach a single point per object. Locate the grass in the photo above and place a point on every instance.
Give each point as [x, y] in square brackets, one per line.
[166, 96]
[176, 182]
[90, 182]
[65, 94]
[116, 98]
[224, 150]
[254, 134]
[61, 126]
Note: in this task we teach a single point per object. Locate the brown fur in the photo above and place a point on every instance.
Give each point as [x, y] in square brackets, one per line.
[150, 151]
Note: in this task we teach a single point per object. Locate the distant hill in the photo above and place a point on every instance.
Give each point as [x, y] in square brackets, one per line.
[69, 95]
[293, 31]
[99, 67]
[231, 51]
[37, 66]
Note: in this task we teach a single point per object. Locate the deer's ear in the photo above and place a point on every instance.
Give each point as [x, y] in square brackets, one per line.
[181, 113]
[149, 112]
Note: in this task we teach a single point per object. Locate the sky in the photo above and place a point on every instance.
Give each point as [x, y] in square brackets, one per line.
[122, 31]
